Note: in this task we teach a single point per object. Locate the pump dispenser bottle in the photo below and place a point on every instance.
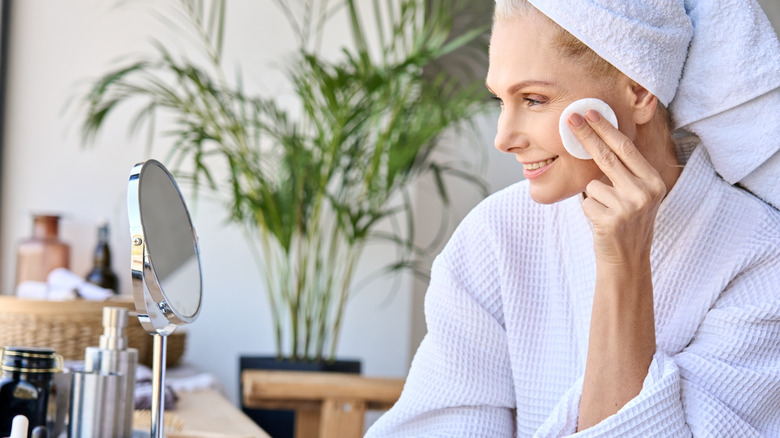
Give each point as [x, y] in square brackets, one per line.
[111, 360]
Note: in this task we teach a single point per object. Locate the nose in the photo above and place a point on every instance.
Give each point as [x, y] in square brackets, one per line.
[510, 136]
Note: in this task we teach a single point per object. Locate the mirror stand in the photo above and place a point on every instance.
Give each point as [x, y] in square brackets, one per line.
[165, 267]
[158, 384]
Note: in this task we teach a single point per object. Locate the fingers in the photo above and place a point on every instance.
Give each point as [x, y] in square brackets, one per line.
[603, 193]
[602, 202]
[622, 213]
[605, 201]
[602, 154]
[612, 151]
[619, 159]
[594, 209]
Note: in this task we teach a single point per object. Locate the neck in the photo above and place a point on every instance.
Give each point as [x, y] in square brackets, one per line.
[655, 142]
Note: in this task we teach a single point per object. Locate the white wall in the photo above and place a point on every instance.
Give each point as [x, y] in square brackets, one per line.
[54, 47]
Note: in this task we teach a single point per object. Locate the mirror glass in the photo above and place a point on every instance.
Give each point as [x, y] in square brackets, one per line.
[166, 262]
[170, 242]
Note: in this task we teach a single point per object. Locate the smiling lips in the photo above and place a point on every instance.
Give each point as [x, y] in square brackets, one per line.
[535, 170]
[538, 164]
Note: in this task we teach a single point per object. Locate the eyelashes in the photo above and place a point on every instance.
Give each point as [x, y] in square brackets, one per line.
[527, 101]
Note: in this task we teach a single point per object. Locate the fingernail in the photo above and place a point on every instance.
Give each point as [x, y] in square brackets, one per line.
[593, 116]
[575, 120]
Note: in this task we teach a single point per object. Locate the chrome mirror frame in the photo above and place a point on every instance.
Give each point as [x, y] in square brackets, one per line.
[155, 313]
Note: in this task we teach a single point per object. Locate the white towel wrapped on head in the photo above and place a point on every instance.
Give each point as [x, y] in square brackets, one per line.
[647, 41]
[729, 94]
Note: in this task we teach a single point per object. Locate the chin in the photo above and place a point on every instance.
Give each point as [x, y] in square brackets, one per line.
[549, 196]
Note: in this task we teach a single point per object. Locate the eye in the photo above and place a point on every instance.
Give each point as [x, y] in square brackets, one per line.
[532, 102]
[497, 99]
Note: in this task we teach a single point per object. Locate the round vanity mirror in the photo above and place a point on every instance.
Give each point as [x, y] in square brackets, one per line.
[165, 261]
[165, 266]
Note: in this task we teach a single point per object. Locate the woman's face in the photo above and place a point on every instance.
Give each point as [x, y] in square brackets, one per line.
[534, 82]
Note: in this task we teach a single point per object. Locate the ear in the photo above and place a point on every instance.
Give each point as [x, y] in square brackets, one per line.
[642, 102]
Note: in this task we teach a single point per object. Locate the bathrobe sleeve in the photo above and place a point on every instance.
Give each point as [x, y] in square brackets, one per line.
[460, 382]
[725, 383]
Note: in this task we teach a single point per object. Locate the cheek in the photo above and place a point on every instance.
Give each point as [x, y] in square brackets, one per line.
[580, 172]
[570, 178]
[588, 171]
[579, 169]
[551, 138]
[625, 117]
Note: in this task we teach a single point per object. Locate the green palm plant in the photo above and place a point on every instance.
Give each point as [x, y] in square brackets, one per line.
[308, 188]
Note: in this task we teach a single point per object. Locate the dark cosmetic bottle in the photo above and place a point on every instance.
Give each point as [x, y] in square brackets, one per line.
[101, 273]
[25, 384]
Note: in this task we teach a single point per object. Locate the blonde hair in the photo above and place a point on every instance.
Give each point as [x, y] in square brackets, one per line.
[506, 9]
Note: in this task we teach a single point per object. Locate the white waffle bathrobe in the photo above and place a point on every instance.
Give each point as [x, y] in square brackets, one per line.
[508, 313]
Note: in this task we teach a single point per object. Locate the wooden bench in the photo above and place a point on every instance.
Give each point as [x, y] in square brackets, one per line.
[326, 405]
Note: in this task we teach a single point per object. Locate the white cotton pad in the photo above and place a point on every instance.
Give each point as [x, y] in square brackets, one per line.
[570, 141]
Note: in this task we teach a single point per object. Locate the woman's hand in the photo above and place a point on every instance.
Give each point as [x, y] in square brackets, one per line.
[622, 331]
[622, 214]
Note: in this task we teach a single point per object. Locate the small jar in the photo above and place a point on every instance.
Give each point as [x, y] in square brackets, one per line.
[25, 383]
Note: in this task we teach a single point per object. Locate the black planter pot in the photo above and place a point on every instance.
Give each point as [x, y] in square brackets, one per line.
[279, 423]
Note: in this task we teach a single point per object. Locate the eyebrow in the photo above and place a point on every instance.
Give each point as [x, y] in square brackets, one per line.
[522, 84]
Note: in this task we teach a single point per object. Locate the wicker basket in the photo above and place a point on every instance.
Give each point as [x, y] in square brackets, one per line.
[71, 326]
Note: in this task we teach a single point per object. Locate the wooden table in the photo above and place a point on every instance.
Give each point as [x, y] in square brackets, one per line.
[207, 414]
[327, 405]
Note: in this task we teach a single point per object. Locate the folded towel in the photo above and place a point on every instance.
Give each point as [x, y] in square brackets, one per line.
[714, 63]
[62, 279]
[62, 285]
[182, 378]
[32, 290]
[143, 396]
[177, 380]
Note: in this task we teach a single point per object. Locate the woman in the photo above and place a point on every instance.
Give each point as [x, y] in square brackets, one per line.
[635, 294]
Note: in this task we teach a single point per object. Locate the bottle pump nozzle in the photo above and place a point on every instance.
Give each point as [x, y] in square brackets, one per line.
[114, 323]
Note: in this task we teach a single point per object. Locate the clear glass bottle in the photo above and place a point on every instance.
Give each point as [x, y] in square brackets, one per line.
[102, 275]
[43, 252]
[26, 375]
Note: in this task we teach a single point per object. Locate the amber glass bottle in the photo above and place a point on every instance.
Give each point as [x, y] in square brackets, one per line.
[43, 252]
[101, 274]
